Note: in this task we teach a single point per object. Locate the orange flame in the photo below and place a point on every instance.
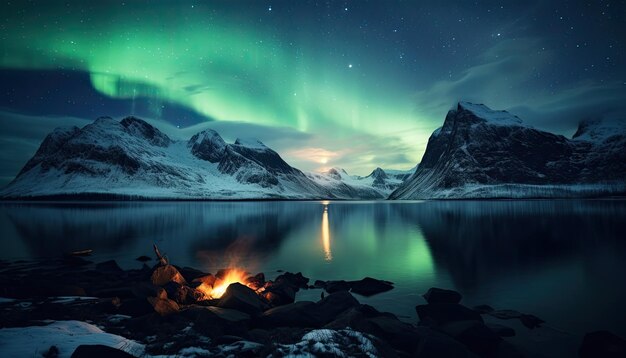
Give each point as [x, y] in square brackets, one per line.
[219, 287]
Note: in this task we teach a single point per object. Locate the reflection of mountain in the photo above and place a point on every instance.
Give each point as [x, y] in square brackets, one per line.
[475, 241]
[53, 229]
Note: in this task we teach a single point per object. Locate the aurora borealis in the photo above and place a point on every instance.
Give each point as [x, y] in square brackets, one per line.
[353, 84]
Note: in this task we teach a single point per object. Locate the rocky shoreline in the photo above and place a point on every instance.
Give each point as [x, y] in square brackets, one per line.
[165, 310]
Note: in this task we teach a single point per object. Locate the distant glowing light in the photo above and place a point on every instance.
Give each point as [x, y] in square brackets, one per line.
[350, 66]
[328, 255]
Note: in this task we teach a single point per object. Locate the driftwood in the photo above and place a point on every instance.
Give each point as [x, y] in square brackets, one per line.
[162, 259]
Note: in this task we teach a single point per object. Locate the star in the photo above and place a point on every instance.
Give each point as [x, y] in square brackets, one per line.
[350, 66]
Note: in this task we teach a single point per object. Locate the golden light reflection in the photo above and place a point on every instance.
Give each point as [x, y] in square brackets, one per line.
[328, 256]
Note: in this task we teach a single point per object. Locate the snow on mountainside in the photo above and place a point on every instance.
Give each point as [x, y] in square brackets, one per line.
[131, 158]
[481, 153]
[377, 185]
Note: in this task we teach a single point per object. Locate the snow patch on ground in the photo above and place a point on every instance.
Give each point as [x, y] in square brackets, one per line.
[34, 341]
[342, 343]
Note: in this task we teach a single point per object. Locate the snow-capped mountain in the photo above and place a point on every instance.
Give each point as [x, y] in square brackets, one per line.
[131, 158]
[482, 153]
[377, 185]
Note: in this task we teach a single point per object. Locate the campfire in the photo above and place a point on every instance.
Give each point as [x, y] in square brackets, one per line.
[219, 286]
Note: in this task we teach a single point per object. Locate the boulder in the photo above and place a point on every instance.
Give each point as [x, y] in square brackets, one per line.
[257, 281]
[440, 295]
[183, 295]
[99, 350]
[280, 294]
[602, 344]
[370, 286]
[163, 306]
[476, 336]
[207, 280]
[293, 279]
[437, 314]
[298, 314]
[145, 289]
[215, 321]
[166, 273]
[336, 286]
[242, 298]
[332, 305]
[190, 273]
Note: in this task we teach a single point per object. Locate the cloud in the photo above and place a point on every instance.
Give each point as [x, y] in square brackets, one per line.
[21, 135]
[509, 76]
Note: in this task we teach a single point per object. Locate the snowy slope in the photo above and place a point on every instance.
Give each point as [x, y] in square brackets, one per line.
[481, 153]
[377, 185]
[132, 158]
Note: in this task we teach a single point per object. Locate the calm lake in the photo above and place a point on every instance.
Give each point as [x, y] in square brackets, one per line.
[562, 260]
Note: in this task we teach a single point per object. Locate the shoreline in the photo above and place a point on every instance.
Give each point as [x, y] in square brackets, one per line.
[265, 321]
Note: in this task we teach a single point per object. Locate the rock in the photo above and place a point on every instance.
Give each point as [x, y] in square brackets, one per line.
[215, 321]
[602, 344]
[393, 331]
[143, 258]
[319, 284]
[298, 314]
[352, 317]
[109, 267]
[280, 294]
[531, 321]
[433, 344]
[242, 298]
[483, 309]
[257, 281]
[135, 307]
[438, 314]
[207, 280]
[183, 295]
[476, 336]
[190, 273]
[296, 280]
[370, 286]
[439, 295]
[145, 289]
[166, 273]
[163, 306]
[332, 305]
[500, 330]
[99, 351]
[336, 286]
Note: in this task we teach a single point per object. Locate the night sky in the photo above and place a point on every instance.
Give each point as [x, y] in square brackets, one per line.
[352, 84]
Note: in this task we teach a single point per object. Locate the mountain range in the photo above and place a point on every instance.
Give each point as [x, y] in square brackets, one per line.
[134, 160]
[477, 153]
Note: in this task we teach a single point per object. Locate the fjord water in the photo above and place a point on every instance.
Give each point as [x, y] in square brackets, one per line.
[562, 260]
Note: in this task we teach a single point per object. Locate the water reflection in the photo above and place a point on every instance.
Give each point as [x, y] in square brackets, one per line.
[506, 253]
[328, 256]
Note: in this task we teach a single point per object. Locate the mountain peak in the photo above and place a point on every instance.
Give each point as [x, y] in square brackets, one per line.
[250, 143]
[599, 128]
[480, 111]
[207, 145]
[141, 128]
[378, 173]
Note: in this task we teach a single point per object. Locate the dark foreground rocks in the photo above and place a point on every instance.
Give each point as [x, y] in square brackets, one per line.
[172, 311]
